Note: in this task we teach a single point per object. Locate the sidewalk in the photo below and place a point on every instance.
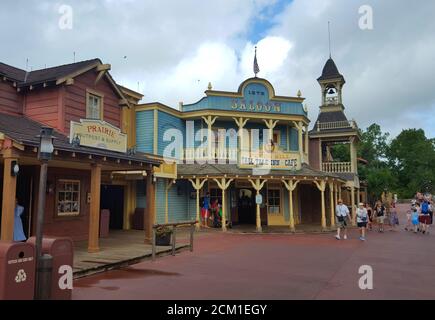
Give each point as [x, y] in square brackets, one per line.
[122, 248]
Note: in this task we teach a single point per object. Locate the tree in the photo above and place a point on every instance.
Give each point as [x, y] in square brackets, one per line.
[412, 156]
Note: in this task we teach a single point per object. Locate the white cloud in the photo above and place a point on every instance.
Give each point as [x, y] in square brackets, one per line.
[172, 44]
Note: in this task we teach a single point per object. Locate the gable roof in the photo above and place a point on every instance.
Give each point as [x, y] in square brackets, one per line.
[55, 75]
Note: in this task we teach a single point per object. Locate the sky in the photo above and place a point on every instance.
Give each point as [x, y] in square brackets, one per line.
[169, 50]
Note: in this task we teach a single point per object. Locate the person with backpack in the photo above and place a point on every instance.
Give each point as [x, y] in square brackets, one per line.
[425, 219]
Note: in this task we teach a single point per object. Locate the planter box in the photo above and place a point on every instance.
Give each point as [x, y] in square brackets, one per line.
[163, 239]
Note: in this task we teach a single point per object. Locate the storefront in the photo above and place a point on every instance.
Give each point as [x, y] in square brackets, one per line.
[94, 167]
[247, 149]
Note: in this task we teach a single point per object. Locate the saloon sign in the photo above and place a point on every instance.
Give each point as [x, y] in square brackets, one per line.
[98, 134]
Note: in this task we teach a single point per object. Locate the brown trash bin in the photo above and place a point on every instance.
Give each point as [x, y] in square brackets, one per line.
[104, 223]
[138, 219]
[62, 251]
[17, 271]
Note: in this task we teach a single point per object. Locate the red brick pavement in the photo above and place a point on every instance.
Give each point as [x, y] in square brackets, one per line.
[236, 266]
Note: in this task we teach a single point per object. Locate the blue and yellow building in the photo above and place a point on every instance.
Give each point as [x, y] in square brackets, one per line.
[243, 144]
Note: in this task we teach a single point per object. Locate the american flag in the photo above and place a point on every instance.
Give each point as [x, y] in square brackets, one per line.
[256, 67]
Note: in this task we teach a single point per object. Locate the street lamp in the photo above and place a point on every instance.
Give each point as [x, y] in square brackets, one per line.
[43, 262]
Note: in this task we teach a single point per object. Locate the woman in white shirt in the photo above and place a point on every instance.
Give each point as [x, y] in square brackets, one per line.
[362, 218]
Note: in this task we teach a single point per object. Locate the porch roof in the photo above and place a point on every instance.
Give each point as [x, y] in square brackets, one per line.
[232, 170]
[25, 131]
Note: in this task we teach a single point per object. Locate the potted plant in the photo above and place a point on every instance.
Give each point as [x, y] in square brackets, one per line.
[163, 236]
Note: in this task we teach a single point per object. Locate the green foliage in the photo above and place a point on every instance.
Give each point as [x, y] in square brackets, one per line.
[405, 165]
[341, 152]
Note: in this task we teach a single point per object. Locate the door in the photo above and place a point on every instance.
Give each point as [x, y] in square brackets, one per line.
[112, 199]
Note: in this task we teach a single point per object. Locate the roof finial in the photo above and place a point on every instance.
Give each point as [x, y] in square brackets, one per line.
[256, 67]
[329, 34]
[210, 86]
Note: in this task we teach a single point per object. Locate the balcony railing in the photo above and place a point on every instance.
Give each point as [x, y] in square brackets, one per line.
[336, 125]
[337, 167]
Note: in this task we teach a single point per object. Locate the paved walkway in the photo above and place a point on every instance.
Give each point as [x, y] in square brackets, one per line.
[239, 266]
[121, 248]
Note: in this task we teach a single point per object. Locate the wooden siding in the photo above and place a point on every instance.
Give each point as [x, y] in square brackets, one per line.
[42, 105]
[75, 99]
[10, 101]
[314, 153]
[145, 131]
[165, 122]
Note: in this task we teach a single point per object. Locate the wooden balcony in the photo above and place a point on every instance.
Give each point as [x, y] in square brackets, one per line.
[351, 124]
[337, 167]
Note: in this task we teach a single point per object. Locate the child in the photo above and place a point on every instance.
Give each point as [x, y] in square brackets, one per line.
[394, 219]
[415, 217]
[380, 215]
[362, 218]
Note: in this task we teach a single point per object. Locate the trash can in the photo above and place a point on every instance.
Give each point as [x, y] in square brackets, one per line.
[62, 251]
[17, 270]
[104, 223]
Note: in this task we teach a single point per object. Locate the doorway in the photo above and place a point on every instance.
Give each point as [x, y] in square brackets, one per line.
[246, 206]
[112, 199]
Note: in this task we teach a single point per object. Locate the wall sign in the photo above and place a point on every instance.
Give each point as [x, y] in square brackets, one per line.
[98, 134]
[275, 160]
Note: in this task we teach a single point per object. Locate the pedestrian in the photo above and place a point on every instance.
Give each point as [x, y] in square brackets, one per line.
[18, 223]
[415, 217]
[380, 215]
[342, 213]
[370, 214]
[362, 218]
[409, 216]
[206, 209]
[215, 207]
[394, 219]
[425, 216]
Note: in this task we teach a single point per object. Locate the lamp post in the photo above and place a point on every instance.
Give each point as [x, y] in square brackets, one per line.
[43, 262]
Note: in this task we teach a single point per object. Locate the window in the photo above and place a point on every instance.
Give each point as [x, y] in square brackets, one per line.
[68, 198]
[94, 107]
[274, 201]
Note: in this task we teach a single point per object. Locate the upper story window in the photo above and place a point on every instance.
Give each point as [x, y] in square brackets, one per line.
[94, 106]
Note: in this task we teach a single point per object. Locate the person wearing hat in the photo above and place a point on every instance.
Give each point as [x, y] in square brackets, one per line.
[362, 218]
[342, 213]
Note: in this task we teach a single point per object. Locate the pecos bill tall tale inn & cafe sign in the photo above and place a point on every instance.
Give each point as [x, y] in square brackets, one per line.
[98, 134]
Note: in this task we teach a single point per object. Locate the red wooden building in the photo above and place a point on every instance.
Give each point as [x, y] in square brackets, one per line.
[94, 149]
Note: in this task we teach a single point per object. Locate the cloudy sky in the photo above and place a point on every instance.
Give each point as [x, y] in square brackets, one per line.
[170, 50]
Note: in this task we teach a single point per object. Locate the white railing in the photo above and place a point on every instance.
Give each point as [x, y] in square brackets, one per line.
[337, 167]
[336, 125]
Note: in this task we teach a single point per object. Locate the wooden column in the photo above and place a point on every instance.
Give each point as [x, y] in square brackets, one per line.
[150, 205]
[9, 195]
[299, 126]
[223, 184]
[169, 184]
[331, 196]
[352, 196]
[94, 215]
[197, 185]
[258, 185]
[306, 141]
[209, 120]
[339, 193]
[241, 123]
[322, 186]
[291, 186]
[270, 124]
[337, 186]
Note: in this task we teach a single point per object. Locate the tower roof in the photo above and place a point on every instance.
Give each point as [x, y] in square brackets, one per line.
[330, 71]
